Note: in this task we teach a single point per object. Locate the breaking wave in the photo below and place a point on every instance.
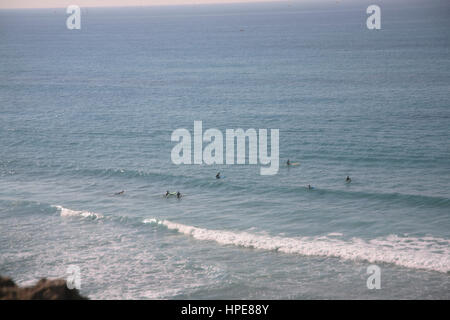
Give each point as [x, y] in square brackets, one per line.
[427, 253]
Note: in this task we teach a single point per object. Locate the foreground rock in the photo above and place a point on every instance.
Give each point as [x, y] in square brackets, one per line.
[44, 289]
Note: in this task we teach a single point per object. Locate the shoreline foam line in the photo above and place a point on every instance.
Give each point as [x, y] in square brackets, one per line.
[425, 253]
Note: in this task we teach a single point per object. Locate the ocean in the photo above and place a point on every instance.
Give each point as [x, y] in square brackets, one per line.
[87, 113]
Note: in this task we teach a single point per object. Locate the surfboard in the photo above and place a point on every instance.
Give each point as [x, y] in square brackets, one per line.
[170, 194]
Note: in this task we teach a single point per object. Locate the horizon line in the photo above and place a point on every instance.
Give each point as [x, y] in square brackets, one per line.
[142, 4]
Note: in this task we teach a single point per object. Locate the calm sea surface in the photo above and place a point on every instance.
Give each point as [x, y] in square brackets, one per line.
[87, 113]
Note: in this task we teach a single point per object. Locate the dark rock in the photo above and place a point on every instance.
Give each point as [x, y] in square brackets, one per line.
[44, 289]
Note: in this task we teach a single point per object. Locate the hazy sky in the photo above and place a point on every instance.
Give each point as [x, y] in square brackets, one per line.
[107, 3]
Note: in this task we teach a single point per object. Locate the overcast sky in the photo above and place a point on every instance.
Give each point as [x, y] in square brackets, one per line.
[108, 3]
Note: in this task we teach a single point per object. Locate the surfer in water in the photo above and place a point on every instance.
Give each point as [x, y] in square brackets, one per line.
[218, 175]
[167, 194]
[309, 187]
[178, 195]
[119, 193]
[288, 163]
[348, 180]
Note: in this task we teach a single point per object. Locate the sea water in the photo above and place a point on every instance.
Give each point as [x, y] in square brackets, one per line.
[87, 113]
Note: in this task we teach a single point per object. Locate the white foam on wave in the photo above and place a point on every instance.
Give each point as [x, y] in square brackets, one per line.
[426, 253]
[78, 213]
[151, 221]
[335, 234]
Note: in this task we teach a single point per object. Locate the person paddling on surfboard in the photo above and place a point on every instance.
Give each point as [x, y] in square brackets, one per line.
[119, 193]
[289, 163]
[218, 175]
[168, 194]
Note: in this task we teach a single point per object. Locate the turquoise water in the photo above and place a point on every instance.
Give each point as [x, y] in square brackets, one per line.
[87, 113]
